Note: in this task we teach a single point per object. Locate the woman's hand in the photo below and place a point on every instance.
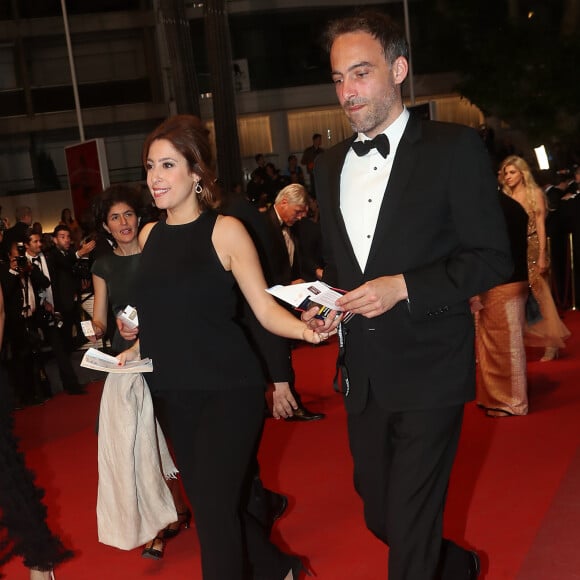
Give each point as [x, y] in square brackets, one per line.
[129, 355]
[318, 335]
[98, 332]
[475, 304]
[126, 332]
[323, 326]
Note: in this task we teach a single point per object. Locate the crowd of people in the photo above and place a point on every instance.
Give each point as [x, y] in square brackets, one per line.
[43, 278]
[431, 270]
[266, 180]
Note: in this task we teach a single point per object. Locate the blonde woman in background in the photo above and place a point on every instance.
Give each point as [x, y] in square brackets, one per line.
[517, 181]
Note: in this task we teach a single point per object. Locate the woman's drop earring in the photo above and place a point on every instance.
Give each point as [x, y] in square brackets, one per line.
[198, 188]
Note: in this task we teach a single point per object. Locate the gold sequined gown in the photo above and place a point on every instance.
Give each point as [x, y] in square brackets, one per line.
[550, 331]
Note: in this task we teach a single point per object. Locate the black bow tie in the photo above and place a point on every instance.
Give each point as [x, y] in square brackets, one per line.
[36, 259]
[380, 143]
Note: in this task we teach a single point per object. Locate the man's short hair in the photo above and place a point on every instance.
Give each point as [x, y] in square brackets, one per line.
[28, 234]
[293, 193]
[60, 228]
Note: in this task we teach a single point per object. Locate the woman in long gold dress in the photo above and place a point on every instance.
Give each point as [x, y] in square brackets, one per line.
[502, 387]
[517, 181]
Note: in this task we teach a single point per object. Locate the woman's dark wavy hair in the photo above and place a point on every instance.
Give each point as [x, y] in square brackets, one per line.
[189, 136]
[380, 26]
[111, 196]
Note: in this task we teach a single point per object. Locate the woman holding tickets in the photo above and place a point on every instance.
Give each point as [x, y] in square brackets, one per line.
[206, 375]
[117, 212]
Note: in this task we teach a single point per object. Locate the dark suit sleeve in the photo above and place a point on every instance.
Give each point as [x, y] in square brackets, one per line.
[272, 350]
[482, 257]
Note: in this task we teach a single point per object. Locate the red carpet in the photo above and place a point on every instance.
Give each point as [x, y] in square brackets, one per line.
[515, 490]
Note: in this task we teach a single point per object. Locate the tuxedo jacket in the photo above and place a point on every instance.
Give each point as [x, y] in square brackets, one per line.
[272, 350]
[14, 301]
[440, 225]
[278, 269]
[63, 280]
[307, 234]
[17, 233]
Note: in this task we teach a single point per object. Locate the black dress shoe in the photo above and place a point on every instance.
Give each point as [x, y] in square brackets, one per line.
[35, 401]
[474, 565]
[303, 414]
[77, 390]
[279, 506]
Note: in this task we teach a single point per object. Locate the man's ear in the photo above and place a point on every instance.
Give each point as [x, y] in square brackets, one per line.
[106, 228]
[400, 69]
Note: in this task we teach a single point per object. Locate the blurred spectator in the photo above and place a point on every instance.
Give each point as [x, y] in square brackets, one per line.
[555, 184]
[309, 238]
[260, 165]
[256, 190]
[308, 157]
[76, 232]
[273, 182]
[54, 302]
[293, 173]
[17, 233]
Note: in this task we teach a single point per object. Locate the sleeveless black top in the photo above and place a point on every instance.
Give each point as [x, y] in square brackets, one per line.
[186, 303]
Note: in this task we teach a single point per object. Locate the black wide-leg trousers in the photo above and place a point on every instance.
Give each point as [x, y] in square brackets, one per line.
[214, 435]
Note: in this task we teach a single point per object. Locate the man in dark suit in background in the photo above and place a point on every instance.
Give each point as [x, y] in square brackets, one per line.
[412, 231]
[62, 263]
[570, 222]
[17, 233]
[309, 157]
[51, 321]
[21, 285]
[556, 230]
[279, 256]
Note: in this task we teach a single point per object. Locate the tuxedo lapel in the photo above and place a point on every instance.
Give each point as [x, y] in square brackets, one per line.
[402, 170]
[340, 155]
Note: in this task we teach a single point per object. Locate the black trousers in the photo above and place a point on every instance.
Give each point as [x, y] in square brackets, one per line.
[56, 338]
[214, 436]
[402, 463]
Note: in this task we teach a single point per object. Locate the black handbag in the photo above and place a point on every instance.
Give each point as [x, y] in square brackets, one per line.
[533, 313]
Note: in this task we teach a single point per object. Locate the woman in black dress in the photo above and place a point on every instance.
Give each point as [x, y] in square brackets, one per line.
[23, 529]
[206, 376]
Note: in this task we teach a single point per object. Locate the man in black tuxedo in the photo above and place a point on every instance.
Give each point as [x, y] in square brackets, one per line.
[556, 230]
[51, 321]
[281, 265]
[21, 285]
[570, 222]
[17, 233]
[62, 262]
[412, 228]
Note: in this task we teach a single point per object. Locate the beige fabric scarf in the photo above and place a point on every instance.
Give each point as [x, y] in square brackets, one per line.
[133, 501]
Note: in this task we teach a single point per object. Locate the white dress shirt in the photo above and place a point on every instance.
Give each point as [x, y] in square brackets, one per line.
[363, 183]
[46, 294]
